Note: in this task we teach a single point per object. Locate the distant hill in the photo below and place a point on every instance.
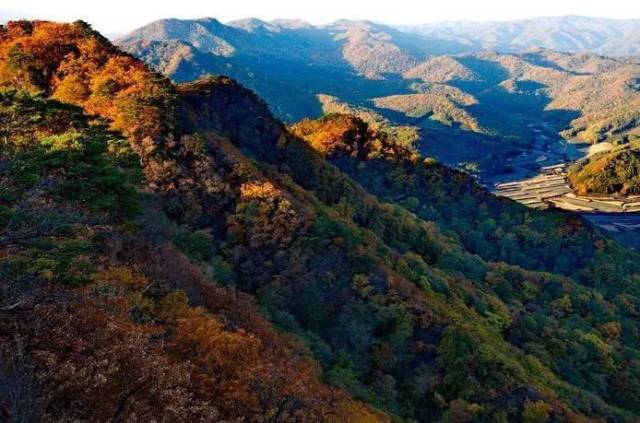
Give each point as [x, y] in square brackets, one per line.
[594, 97]
[611, 173]
[369, 48]
[287, 62]
[471, 106]
[574, 34]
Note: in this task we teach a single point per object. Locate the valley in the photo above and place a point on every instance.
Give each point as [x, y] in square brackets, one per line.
[495, 114]
[548, 162]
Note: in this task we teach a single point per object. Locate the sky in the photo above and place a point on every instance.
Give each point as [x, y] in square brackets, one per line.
[120, 16]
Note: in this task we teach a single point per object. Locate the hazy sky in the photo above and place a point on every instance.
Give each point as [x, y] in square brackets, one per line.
[124, 15]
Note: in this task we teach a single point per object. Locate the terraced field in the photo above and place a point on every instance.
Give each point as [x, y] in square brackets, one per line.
[551, 189]
[536, 192]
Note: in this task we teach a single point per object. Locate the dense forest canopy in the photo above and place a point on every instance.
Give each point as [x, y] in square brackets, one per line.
[175, 253]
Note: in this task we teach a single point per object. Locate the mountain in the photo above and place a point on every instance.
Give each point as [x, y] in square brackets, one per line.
[348, 57]
[598, 92]
[571, 34]
[615, 172]
[105, 313]
[498, 113]
[371, 49]
[176, 253]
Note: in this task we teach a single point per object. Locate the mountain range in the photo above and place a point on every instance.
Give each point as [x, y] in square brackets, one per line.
[174, 252]
[571, 34]
[502, 112]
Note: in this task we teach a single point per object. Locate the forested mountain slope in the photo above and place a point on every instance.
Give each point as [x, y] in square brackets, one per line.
[179, 248]
[611, 173]
[103, 316]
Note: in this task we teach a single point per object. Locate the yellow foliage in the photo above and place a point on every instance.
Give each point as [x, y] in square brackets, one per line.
[122, 276]
[535, 412]
[258, 190]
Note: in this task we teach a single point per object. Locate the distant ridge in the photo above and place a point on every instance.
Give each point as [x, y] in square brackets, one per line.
[290, 62]
[573, 34]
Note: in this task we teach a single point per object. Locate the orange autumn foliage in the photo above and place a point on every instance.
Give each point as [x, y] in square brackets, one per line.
[338, 134]
[74, 64]
[95, 352]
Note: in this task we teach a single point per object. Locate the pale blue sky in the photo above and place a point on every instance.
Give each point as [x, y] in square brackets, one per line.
[124, 15]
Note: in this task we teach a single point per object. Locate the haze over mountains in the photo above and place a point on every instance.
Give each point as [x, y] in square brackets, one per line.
[574, 34]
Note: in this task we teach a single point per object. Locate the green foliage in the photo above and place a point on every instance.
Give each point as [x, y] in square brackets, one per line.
[616, 172]
[65, 261]
[55, 181]
[196, 245]
[90, 179]
[535, 412]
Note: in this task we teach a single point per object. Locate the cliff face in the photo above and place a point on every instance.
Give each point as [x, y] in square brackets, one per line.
[246, 270]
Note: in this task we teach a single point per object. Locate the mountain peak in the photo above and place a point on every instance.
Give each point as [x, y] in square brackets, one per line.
[252, 25]
[357, 23]
[291, 23]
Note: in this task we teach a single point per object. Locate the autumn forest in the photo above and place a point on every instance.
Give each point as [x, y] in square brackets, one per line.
[173, 251]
